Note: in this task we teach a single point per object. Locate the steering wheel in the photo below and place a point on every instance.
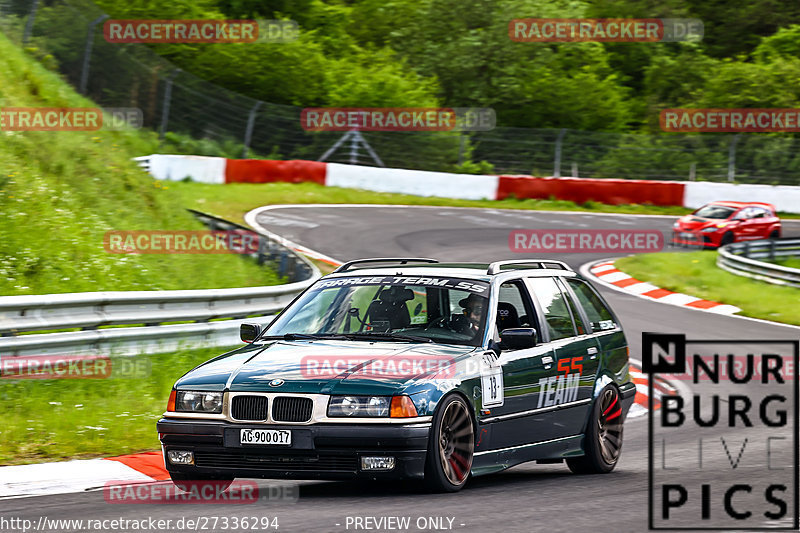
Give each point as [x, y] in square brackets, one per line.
[443, 322]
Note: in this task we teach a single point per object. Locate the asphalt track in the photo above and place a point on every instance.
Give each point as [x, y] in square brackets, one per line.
[525, 498]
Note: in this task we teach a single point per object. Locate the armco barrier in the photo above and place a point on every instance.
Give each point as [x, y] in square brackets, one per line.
[267, 171]
[416, 182]
[742, 259]
[784, 197]
[93, 310]
[691, 194]
[581, 190]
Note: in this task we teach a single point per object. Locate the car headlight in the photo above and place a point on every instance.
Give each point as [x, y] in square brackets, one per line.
[676, 225]
[710, 229]
[198, 402]
[357, 406]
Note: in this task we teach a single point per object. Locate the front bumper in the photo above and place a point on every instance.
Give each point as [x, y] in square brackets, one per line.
[318, 451]
[693, 239]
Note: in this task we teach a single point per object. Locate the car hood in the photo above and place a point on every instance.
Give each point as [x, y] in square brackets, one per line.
[327, 367]
[694, 223]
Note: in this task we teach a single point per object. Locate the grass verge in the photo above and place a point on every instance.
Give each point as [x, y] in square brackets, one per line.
[697, 274]
[61, 191]
[53, 419]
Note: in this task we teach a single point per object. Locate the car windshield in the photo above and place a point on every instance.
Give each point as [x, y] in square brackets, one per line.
[389, 309]
[714, 211]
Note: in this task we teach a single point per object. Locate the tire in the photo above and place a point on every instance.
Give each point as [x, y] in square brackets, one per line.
[186, 481]
[603, 436]
[775, 234]
[728, 238]
[450, 447]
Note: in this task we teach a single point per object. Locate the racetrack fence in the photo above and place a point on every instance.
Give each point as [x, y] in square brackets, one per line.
[67, 36]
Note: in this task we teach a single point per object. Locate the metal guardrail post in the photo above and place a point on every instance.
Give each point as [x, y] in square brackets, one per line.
[167, 100]
[248, 132]
[557, 159]
[87, 52]
[29, 23]
[732, 157]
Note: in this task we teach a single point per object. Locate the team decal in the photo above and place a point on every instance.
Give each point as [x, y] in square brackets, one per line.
[447, 283]
[562, 388]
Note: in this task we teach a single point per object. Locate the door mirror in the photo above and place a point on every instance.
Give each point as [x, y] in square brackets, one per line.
[519, 338]
[249, 332]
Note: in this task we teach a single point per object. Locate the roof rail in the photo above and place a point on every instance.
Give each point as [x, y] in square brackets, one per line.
[400, 260]
[495, 267]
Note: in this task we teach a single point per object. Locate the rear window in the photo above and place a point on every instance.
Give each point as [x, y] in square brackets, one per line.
[599, 315]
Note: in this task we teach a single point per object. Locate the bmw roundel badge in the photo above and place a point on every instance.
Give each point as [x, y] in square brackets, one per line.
[276, 382]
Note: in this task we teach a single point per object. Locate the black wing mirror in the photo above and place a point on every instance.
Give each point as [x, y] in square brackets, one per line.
[519, 338]
[249, 332]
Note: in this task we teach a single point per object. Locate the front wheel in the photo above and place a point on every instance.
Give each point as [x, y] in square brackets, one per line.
[603, 437]
[727, 238]
[450, 446]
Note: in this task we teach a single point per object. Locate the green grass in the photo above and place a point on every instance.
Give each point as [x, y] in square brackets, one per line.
[61, 191]
[696, 274]
[791, 262]
[48, 420]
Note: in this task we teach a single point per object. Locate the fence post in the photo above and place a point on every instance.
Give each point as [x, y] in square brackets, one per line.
[29, 23]
[165, 107]
[693, 172]
[732, 157]
[574, 169]
[557, 161]
[87, 52]
[461, 143]
[248, 134]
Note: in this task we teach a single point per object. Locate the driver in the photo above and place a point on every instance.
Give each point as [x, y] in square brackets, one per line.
[473, 306]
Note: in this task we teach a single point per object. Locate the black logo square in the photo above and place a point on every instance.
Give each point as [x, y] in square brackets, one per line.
[663, 353]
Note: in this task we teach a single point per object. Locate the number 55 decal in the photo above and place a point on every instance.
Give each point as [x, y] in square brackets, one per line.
[491, 383]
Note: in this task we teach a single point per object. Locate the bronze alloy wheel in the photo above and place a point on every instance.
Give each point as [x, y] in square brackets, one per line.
[456, 439]
[609, 426]
[603, 437]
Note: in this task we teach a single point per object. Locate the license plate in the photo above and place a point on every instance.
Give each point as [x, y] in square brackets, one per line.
[268, 437]
[688, 236]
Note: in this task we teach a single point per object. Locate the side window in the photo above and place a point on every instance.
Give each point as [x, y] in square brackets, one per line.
[554, 306]
[579, 323]
[513, 309]
[759, 213]
[600, 317]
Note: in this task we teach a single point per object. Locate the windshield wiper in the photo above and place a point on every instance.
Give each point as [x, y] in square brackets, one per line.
[303, 336]
[387, 336]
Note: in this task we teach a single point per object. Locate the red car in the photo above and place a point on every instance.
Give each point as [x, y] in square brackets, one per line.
[720, 223]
